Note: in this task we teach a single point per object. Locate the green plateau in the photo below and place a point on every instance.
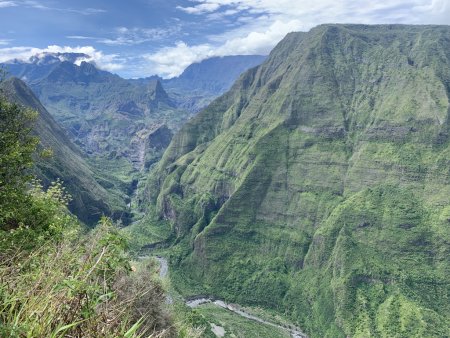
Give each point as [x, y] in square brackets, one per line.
[318, 186]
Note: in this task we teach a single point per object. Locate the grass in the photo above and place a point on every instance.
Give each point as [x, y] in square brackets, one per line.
[79, 288]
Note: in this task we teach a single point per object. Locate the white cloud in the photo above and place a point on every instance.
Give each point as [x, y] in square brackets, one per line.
[249, 27]
[4, 4]
[171, 61]
[109, 62]
[259, 42]
[80, 37]
[134, 36]
[263, 23]
[202, 8]
[314, 12]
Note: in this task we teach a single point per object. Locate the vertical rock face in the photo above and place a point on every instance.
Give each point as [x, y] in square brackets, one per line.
[319, 184]
[148, 145]
[157, 92]
[90, 198]
[102, 111]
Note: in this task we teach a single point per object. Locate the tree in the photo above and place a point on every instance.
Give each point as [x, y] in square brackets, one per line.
[17, 145]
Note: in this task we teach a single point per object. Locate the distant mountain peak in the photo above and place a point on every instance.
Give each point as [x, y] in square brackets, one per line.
[159, 94]
[47, 58]
[215, 74]
[230, 63]
[88, 68]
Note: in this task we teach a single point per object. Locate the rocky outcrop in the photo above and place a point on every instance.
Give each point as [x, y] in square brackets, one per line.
[101, 111]
[148, 145]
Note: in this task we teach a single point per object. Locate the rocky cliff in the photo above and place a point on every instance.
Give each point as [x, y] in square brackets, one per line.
[101, 112]
[319, 184]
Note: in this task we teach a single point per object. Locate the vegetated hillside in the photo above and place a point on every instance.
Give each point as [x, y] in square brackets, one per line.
[103, 113]
[319, 184]
[93, 194]
[56, 278]
[202, 82]
[117, 118]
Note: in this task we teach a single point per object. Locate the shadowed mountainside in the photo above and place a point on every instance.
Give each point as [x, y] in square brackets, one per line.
[102, 113]
[112, 117]
[93, 194]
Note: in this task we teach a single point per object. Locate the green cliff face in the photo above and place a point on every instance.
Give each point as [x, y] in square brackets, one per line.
[202, 82]
[319, 184]
[93, 194]
[105, 114]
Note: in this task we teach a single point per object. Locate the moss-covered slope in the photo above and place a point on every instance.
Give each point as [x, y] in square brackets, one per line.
[319, 184]
[93, 194]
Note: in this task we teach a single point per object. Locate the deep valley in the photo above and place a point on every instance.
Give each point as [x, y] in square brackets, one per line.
[301, 194]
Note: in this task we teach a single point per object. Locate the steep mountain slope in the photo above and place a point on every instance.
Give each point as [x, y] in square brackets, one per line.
[91, 199]
[319, 184]
[113, 117]
[105, 114]
[202, 82]
[102, 112]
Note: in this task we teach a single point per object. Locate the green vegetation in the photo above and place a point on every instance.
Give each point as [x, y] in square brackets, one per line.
[319, 186]
[236, 326]
[116, 118]
[93, 192]
[109, 116]
[57, 279]
[16, 148]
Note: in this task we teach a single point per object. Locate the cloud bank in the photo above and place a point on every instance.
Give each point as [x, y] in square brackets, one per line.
[110, 62]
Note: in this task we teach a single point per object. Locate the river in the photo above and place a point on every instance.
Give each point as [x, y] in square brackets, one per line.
[197, 301]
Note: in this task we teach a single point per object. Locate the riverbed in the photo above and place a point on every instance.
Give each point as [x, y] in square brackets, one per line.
[194, 302]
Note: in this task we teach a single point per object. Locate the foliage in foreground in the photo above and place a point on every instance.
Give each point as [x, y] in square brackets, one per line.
[56, 280]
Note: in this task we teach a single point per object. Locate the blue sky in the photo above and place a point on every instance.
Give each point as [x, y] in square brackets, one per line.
[138, 38]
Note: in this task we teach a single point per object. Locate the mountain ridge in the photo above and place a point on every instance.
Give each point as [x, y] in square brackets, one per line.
[209, 78]
[103, 113]
[90, 200]
[307, 187]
